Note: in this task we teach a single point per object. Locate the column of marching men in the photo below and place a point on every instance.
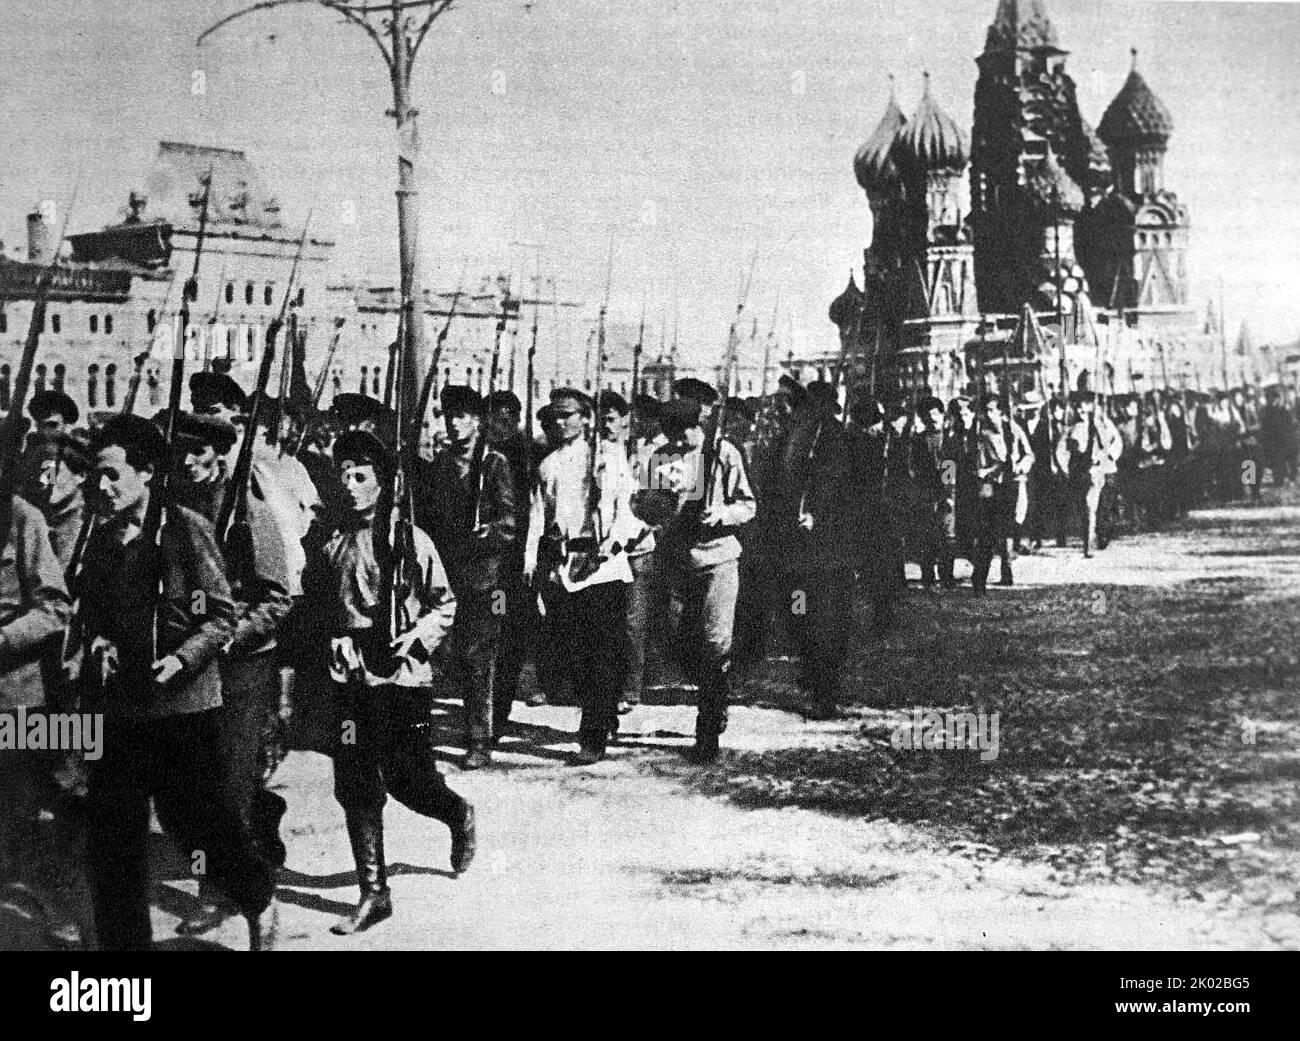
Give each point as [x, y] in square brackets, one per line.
[631, 535]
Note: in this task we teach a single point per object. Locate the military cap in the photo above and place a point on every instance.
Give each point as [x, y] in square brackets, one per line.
[648, 406]
[695, 389]
[610, 399]
[819, 392]
[215, 388]
[457, 399]
[68, 449]
[360, 447]
[46, 403]
[504, 399]
[680, 414]
[1083, 397]
[571, 394]
[929, 404]
[867, 412]
[789, 384]
[196, 430]
[739, 407]
[350, 407]
[139, 437]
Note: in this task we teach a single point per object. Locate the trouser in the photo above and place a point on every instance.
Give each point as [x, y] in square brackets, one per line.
[821, 622]
[644, 602]
[514, 644]
[250, 745]
[471, 667]
[704, 601]
[934, 551]
[178, 761]
[1049, 508]
[590, 626]
[760, 584]
[994, 517]
[21, 788]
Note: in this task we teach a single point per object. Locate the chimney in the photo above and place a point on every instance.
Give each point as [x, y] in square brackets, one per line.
[40, 248]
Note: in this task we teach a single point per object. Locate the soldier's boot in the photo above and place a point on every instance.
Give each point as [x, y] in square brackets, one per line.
[211, 912]
[711, 717]
[366, 833]
[947, 564]
[1006, 578]
[478, 737]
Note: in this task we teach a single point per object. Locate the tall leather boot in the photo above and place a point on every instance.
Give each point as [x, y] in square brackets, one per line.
[711, 717]
[366, 833]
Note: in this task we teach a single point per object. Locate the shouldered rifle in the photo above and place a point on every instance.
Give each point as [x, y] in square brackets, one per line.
[481, 447]
[431, 377]
[636, 379]
[528, 390]
[318, 391]
[155, 522]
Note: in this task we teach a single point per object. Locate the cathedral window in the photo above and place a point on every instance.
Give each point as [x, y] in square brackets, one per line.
[267, 295]
[56, 323]
[94, 323]
[92, 385]
[108, 325]
[374, 383]
[365, 371]
[40, 378]
[230, 292]
[60, 374]
[110, 385]
[248, 293]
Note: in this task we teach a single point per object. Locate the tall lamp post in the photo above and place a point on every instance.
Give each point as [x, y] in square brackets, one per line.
[398, 35]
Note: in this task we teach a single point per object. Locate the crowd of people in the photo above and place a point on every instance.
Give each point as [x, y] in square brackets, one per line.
[198, 588]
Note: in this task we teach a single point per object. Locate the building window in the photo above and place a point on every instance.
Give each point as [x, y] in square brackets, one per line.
[248, 293]
[92, 385]
[302, 295]
[108, 325]
[60, 374]
[230, 292]
[56, 323]
[338, 384]
[365, 371]
[110, 385]
[374, 383]
[40, 378]
[266, 295]
[4, 386]
[151, 319]
[94, 323]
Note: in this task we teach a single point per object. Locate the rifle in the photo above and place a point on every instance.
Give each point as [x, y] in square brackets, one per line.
[133, 388]
[528, 390]
[273, 429]
[234, 535]
[636, 375]
[431, 377]
[155, 521]
[395, 527]
[480, 449]
[318, 391]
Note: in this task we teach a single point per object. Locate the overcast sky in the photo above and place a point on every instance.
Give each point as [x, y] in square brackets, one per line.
[696, 131]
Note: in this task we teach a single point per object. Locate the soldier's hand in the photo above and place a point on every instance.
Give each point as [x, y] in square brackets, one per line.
[403, 644]
[167, 669]
[806, 521]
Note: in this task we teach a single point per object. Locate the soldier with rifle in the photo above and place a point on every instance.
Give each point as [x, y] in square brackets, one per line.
[467, 505]
[386, 604]
[1093, 448]
[929, 474]
[703, 478]
[1002, 455]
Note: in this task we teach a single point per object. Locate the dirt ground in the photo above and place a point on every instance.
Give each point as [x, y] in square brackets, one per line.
[1144, 796]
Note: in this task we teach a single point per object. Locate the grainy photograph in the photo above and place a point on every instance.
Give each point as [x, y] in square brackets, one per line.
[609, 475]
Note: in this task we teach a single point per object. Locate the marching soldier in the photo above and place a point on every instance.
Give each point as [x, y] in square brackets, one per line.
[701, 555]
[1048, 479]
[54, 412]
[822, 499]
[60, 465]
[467, 506]
[581, 517]
[161, 724]
[250, 672]
[931, 477]
[1094, 449]
[1002, 454]
[383, 741]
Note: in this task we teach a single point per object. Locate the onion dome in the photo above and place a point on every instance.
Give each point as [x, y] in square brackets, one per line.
[844, 308]
[1054, 190]
[1021, 25]
[1136, 116]
[932, 139]
[873, 165]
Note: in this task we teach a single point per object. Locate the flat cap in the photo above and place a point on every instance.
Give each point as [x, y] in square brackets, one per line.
[457, 399]
[46, 403]
[216, 388]
[695, 389]
[360, 447]
[197, 430]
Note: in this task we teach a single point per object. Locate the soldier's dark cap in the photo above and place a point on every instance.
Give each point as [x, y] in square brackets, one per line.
[680, 414]
[867, 412]
[789, 384]
[504, 399]
[610, 399]
[545, 413]
[571, 394]
[46, 403]
[67, 449]
[740, 408]
[647, 406]
[361, 447]
[929, 404]
[141, 439]
[216, 388]
[351, 407]
[1083, 397]
[459, 400]
[194, 430]
[819, 392]
[694, 389]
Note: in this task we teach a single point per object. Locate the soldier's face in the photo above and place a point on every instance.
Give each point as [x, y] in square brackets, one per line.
[52, 425]
[568, 421]
[360, 484]
[201, 464]
[121, 486]
[503, 422]
[613, 427]
[59, 482]
[462, 427]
